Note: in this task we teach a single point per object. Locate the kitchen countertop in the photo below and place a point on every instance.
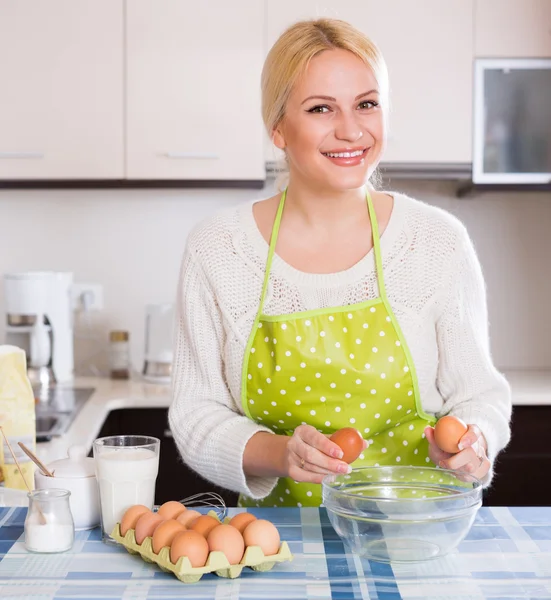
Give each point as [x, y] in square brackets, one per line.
[506, 554]
[529, 388]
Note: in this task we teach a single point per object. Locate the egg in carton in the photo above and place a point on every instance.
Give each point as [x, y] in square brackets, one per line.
[217, 562]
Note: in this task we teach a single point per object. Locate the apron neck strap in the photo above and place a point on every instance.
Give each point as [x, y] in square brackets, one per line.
[376, 246]
[271, 251]
[275, 233]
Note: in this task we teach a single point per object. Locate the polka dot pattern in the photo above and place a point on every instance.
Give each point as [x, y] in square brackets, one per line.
[346, 368]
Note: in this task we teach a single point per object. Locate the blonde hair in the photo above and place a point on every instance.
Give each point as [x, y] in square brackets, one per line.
[290, 56]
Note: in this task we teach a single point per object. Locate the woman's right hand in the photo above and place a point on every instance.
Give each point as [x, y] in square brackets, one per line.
[311, 455]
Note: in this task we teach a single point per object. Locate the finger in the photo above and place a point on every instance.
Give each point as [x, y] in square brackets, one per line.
[435, 453]
[460, 460]
[469, 438]
[319, 441]
[483, 468]
[308, 466]
[313, 456]
[301, 476]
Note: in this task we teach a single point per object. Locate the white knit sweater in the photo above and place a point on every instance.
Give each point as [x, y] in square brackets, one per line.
[435, 287]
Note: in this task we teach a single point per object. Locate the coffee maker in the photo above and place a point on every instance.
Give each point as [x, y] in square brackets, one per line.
[39, 320]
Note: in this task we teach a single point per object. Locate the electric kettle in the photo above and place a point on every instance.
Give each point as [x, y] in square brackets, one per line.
[159, 322]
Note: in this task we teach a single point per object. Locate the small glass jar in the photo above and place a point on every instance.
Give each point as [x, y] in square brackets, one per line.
[49, 525]
[119, 355]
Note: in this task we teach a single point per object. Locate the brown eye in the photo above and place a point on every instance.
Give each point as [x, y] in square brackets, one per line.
[368, 104]
[319, 109]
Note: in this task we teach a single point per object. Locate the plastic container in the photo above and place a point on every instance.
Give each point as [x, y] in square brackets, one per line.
[402, 514]
[216, 561]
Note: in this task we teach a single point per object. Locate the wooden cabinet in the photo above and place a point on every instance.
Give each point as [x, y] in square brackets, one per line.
[428, 49]
[175, 480]
[513, 28]
[522, 469]
[61, 104]
[193, 90]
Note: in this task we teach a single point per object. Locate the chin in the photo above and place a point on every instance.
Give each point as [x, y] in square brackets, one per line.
[343, 182]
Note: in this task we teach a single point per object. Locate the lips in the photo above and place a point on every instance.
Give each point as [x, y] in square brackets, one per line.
[346, 157]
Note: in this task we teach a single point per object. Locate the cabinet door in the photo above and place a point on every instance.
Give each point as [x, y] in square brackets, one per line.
[513, 28]
[428, 49]
[193, 95]
[61, 104]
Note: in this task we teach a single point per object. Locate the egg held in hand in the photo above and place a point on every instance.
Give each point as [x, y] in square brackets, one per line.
[350, 441]
[448, 431]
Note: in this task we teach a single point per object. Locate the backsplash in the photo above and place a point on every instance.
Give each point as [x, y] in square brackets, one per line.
[131, 242]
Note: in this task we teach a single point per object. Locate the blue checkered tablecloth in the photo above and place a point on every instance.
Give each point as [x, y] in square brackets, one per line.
[507, 554]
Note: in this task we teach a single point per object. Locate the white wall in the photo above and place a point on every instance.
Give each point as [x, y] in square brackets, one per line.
[131, 242]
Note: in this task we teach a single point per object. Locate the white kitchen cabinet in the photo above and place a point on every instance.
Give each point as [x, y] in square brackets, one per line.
[427, 45]
[513, 28]
[193, 90]
[61, 100]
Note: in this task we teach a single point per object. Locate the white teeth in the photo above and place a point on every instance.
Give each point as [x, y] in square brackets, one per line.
[344, 154]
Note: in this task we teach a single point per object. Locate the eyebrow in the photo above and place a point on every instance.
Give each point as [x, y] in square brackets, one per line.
[331, 99]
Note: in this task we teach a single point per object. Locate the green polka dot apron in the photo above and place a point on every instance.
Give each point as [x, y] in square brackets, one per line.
[345, 366]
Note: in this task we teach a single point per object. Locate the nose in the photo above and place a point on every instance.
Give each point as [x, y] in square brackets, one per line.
[348, 128]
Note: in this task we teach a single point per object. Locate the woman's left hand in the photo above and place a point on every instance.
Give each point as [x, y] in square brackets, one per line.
[471, 458]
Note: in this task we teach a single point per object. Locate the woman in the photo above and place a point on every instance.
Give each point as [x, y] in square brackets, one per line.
[331, 304]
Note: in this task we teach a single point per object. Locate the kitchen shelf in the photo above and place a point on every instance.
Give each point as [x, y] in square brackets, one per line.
[472, 189]
[61, 184]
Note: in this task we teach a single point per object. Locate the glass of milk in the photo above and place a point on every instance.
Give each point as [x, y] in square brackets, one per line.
[126, 470]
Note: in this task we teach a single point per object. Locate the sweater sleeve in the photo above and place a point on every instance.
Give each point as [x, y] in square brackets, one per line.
[209, 432]
[468, 381]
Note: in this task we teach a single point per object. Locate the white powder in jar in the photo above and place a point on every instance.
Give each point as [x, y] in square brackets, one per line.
[56, 537]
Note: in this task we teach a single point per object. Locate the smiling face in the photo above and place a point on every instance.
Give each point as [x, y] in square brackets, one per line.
[333, 129]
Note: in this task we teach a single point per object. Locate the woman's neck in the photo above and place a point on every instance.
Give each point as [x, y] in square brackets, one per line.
[324, 208]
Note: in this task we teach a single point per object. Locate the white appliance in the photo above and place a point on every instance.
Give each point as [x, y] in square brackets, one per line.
[39, 319]
[159, 322]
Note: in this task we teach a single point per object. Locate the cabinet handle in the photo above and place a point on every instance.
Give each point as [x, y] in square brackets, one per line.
[21, 155]
[193, 155]
[167, 433]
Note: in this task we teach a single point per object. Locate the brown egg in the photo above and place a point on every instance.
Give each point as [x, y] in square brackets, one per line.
[227, 539]
[130, 517]
[264, 534]
[171, 509]
[241, 521]
[350, 442]
[187, 517]
[447, 433]
[190, 544]
[145, 526]
[204, 524]
[164, 534]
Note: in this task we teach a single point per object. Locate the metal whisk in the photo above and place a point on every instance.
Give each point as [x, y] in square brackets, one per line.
[210, 499]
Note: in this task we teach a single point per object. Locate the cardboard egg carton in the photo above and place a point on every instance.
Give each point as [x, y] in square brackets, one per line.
[216, 561]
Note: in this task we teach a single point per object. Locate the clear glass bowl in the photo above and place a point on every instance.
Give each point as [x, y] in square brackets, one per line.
[400, 513]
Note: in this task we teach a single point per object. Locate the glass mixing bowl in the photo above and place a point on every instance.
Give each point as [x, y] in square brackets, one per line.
[401, 513]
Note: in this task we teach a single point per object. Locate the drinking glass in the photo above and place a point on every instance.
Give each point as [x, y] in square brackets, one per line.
[126, 470]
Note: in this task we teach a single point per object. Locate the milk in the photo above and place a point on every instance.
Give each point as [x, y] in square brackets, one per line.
[126, 476]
